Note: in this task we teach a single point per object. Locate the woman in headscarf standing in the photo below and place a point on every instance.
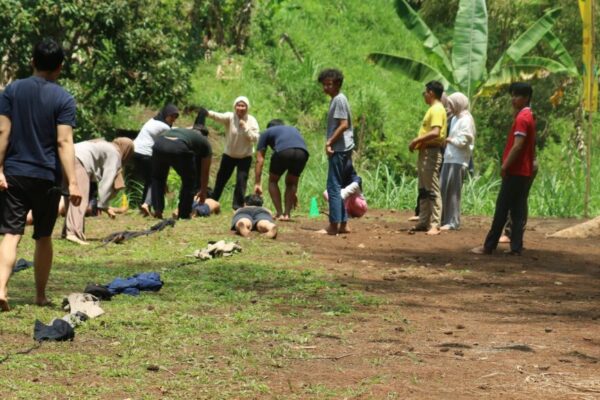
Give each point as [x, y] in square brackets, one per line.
[142, 156]
[101, 162]
[241, 132]
[459, 148]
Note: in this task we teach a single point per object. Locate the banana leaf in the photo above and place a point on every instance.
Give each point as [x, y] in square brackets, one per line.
[560, 53]
[419, 28]
[469, 53]
[528, 40]
[412, 69]
[527, 68]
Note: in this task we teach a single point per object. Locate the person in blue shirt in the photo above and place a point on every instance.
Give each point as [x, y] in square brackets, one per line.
[37, 117]
[290, 154]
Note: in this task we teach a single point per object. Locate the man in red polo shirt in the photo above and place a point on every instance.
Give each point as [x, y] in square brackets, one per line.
[517, 170]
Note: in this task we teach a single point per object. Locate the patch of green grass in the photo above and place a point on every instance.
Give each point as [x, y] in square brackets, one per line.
[211, 330]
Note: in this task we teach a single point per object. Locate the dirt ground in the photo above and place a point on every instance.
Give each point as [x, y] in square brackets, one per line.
[456, 325]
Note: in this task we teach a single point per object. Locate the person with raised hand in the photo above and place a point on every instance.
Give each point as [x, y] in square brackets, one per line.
[241, 132]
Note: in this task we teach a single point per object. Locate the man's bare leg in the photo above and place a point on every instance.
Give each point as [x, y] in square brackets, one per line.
[8, 257]
[267, 228]
[243, 227]
[42, 263]
[291, 187]
[275, 194]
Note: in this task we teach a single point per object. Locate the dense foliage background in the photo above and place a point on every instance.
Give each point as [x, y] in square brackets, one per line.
[124, 56]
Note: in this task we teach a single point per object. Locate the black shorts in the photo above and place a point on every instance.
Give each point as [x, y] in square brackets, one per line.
[291, 160]
[253, 213]
[41, 196]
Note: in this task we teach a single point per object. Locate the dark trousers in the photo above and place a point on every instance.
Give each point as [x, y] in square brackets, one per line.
[228, 164]
[508, 228]
[143, 172]
[173, 153]
[511, 198]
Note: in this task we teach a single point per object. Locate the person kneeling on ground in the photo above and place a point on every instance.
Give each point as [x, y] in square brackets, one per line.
[253, 217]
[290, 154]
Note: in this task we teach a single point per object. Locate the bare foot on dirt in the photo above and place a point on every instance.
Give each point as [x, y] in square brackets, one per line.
[284, 218]
[145, 210]
[480, 250]
[504, 239]
[272, 233]
[326, 231]
[344, 229]
[414, 218]
[4, 305]
[433, 231]
[446, 228]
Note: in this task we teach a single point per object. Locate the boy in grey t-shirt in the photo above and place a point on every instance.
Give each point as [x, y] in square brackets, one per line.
[339, 145]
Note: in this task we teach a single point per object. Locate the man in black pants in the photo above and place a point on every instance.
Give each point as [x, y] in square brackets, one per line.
[189, 153]
[290, 155]
[517, 171]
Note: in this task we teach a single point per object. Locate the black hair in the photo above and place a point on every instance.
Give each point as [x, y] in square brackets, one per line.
[331, 73]
[47, 55]
[436, 87]
[521, 89]
[275, 122]
[253, 200]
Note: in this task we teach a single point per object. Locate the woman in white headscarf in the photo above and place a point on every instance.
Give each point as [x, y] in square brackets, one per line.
[459, 148]
[241, 132]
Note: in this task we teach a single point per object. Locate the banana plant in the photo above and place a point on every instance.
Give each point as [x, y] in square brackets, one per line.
[465, 69]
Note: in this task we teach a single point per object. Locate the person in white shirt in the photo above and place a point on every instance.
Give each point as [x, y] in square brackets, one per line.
[101, 162]
[459, 148]
[241, 132]
[142, 156]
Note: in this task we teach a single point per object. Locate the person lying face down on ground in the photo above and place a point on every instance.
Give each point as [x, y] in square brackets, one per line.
[102, 162]
[354, 201]
[209, 207]
[253, 217]
[290, 154]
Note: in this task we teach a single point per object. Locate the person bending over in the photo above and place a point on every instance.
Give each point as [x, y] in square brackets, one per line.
[290, 154]
[254, 217]
[189, 152]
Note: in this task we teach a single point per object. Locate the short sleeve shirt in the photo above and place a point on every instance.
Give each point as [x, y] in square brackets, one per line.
[280, 138]
[35, 107]
[197, 142]
[435, 116]
[339, 108]
[523, 125]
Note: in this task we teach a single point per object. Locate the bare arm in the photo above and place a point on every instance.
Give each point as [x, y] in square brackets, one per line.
[513, 153]
[5, 126]
[260, 161]
[66, 153]
[204, 174]
[337, 134]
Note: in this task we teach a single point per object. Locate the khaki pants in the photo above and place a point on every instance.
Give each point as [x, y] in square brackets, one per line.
[75, 218]
[430, 204]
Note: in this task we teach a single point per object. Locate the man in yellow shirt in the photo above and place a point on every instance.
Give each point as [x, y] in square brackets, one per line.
[429, 142]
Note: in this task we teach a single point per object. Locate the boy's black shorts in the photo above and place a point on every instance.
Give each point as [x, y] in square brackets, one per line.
[41, 196]
[291, 160]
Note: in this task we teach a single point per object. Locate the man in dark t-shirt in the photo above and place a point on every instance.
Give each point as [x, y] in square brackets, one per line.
[517, 172]
[189, 152]
[37, 117]
[290, 154]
